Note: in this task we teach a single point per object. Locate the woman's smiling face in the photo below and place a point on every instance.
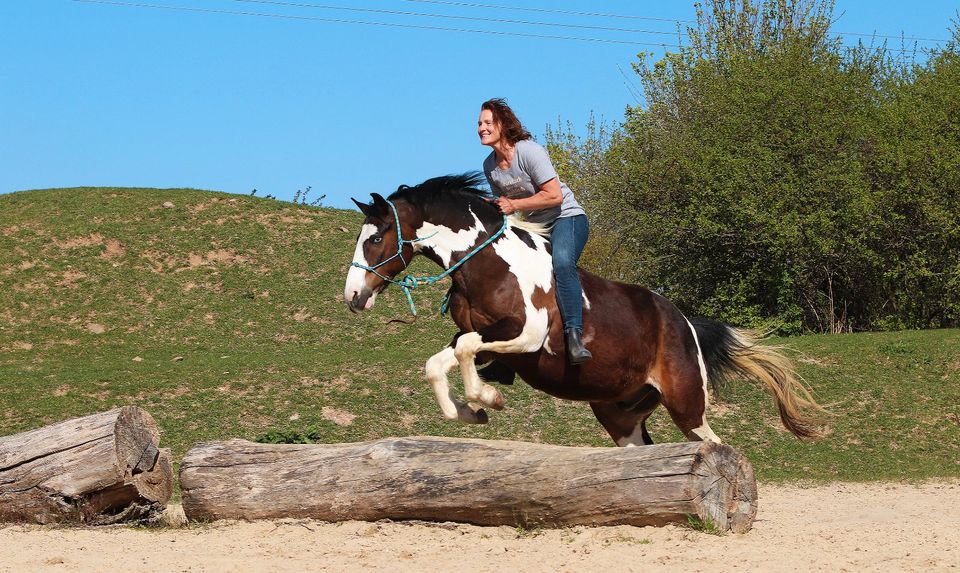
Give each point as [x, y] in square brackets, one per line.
[487, 128]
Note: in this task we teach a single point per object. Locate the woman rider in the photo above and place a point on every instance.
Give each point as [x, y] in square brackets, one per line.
[523, 179]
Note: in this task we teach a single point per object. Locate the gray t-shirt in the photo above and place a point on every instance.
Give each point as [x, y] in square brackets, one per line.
[529, 169]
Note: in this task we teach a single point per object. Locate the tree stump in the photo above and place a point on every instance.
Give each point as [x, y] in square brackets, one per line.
[475, 481]
[103, 468]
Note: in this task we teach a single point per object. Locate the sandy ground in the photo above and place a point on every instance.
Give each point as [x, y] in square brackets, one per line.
[839, 527]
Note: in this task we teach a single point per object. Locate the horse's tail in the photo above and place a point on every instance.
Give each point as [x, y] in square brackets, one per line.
[730, 351]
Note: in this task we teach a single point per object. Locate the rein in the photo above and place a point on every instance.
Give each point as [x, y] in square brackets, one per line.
[411, 282]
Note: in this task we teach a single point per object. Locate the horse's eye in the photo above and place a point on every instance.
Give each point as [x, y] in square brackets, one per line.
[376, 238]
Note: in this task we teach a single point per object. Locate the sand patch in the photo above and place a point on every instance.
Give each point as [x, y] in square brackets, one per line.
[836, 527]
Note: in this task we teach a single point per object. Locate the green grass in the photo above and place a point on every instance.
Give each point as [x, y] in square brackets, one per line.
[222, 317]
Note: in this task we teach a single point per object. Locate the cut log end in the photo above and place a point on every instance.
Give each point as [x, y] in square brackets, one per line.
[102, 468]
[729, 494]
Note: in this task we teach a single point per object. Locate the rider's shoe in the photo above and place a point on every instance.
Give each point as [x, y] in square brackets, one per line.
[576, 351]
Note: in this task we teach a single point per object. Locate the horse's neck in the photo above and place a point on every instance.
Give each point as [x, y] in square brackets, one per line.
[447, 243]
[518, 256]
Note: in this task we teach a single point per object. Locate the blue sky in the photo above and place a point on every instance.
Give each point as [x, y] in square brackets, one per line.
[111, 95]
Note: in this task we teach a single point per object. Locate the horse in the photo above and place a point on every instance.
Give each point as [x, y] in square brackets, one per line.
[645, 351]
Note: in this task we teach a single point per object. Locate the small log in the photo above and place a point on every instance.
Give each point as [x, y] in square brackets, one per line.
[103, 468]
[475, 481]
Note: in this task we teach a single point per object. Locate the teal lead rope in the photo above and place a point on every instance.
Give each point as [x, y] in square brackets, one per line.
[445, 303]
[411, 282]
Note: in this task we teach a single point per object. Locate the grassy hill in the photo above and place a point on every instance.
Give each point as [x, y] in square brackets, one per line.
[222, 316]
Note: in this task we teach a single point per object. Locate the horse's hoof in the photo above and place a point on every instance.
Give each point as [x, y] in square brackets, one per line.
[498, 403]
[481, 416]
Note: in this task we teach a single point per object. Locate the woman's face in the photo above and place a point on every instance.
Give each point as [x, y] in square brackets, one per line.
[487, 128]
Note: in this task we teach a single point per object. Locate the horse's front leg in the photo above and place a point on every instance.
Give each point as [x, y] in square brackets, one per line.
[509, 336]
[437, 368]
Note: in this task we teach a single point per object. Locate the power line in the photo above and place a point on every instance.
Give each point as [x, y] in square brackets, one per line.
[393, 24]
[552, 11]
[454, 17]
[371, 23]
[632, 17]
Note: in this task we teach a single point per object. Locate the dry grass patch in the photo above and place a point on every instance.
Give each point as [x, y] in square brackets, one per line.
[33, 286]
[71, 278]
[95, 328]
[220, 256]
[337, 416]
[721, 409]
[114, 249]
[90, 240]
[301, 315]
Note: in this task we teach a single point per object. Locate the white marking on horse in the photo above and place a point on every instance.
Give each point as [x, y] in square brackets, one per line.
[634, 439]
[356, 277]
[655, 383]
[533, 269]
[546, 346]
[703, 431]
[586, 302]
[445, 241]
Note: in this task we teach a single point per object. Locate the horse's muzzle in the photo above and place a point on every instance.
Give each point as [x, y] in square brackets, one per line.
[361, 300]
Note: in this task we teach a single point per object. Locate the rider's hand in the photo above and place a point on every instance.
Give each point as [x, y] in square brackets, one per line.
[505, 205]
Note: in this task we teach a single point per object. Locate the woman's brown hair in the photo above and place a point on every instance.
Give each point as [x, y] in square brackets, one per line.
[510, 125]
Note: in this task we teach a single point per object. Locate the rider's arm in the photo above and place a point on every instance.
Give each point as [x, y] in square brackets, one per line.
[549, 195]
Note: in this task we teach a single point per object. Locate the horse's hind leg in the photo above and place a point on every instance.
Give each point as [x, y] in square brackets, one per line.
[684, 395]
[437, 368]
[627, 422]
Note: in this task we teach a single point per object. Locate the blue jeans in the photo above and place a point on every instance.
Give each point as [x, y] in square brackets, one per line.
[568, 237]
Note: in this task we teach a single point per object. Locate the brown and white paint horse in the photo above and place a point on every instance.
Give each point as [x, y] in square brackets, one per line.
[645, 352]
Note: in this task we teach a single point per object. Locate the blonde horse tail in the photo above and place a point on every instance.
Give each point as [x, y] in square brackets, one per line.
[732, 351]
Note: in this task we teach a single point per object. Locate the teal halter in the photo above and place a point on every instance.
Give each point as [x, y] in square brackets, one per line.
[411, 282]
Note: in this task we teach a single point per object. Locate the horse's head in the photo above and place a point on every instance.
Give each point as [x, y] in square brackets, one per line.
[441, 218]
[379, 255]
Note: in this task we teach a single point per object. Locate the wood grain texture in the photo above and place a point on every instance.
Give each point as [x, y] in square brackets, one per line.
[102, 468]
[484, 482]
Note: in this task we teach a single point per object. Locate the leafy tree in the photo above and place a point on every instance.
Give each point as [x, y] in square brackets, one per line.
[776, 179]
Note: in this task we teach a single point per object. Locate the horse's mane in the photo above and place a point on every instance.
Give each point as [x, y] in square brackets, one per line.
[466, 188]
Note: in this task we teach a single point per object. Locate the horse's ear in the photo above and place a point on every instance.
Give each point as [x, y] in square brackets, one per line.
[364, 208]
[379, 202]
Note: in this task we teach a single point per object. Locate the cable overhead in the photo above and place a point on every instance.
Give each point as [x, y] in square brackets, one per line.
[632, 17]
[460, 30]
[552, 11]
[371, 23]
[454, 17]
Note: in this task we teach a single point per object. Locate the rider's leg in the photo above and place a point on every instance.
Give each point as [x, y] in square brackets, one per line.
[568, 238]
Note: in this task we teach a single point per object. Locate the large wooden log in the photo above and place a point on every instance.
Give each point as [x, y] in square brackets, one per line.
[475, 481]
[98, 469]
